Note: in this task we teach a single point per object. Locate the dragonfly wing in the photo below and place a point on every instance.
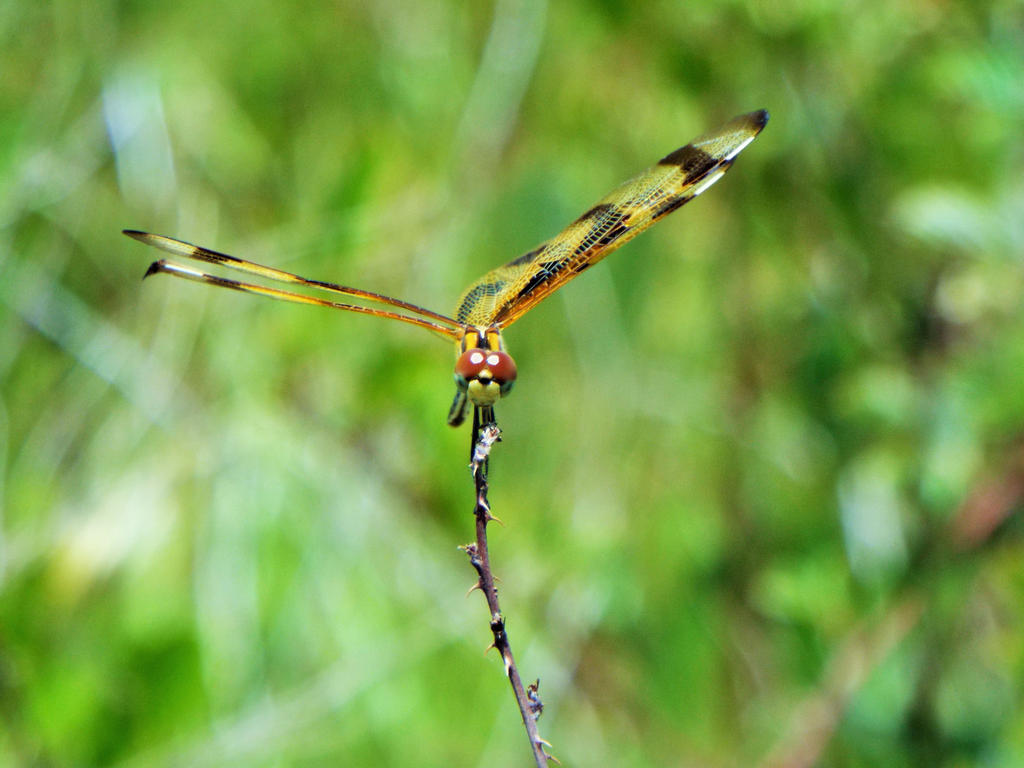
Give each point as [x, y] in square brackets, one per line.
[198, 253]
[414, 315]
[504, 294]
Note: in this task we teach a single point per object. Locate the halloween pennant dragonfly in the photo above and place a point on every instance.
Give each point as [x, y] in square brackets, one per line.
[484, 371]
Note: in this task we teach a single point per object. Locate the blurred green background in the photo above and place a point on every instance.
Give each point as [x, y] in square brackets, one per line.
[761, 472]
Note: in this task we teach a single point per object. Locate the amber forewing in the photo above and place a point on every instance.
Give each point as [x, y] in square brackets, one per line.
[504, 294]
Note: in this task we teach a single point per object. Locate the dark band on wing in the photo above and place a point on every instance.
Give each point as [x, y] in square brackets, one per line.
[609, 226]
[471, 299]
[537, 280]
[670, 205]
[613, 234]
[694, 162]
[210, 256]
[597, 210]
[527, 257]
[606, 229]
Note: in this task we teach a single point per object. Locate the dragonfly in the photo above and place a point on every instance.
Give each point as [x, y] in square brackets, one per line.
[484, 371]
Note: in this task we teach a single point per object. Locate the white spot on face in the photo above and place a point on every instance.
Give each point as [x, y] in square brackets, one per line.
[476, 358]
[492, 359]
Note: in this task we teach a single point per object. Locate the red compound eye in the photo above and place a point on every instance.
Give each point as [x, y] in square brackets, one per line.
[502, 367]
[487, 364]
[470, 363]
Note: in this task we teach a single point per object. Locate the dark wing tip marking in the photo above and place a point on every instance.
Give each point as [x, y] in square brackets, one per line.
[755, 120]
[154, 268]
[759, 118]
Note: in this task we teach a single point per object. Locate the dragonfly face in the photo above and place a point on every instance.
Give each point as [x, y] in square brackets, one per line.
[484, 372]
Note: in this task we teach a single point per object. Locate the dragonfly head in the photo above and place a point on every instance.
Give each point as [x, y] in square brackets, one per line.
[485, 375]
[484, 371]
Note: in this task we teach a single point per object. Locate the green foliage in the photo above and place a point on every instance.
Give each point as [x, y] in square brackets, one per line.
[761, 472]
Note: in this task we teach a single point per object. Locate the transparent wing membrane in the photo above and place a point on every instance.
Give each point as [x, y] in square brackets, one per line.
[504, 294]
[432, 321]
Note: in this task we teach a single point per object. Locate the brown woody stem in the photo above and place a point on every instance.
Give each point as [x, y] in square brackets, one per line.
[484, 436]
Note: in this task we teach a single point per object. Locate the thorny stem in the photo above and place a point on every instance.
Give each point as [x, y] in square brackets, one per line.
[485, 435]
